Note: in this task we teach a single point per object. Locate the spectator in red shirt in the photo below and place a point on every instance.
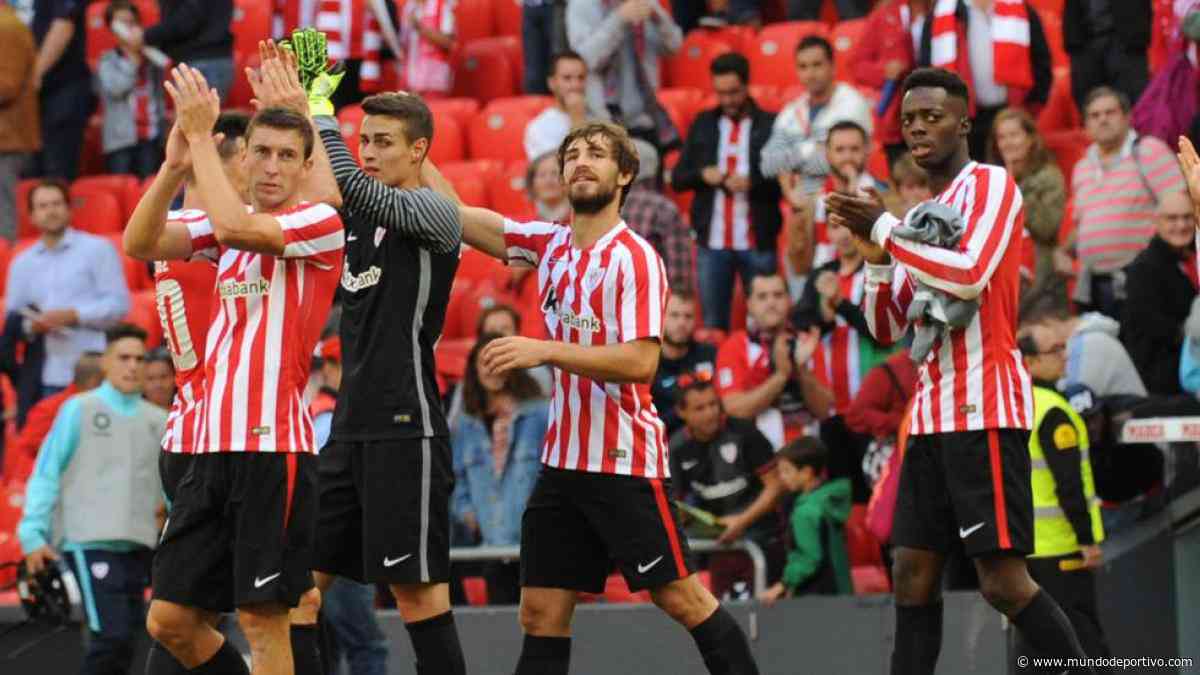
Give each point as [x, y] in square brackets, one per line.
[88, 376]
[882, 62]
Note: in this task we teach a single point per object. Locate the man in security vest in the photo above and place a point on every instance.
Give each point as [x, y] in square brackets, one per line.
[1067, 526]
[92, 499]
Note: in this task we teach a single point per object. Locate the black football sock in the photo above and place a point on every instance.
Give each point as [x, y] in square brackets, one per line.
[1046, 628]
[435, 642]
[227, 661]
[544, 656]
[160, 662]
[306, 654]
[723, 645]
[918, 639]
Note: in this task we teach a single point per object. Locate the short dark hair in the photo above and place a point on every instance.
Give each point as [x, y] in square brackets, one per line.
[811, 41]
[411, 110]
[806, 451]
[905, 170]
[686, 295]
[117, 5]
[763, 275]
[233, 124]
[848, 125]
[1104, 91]
[624, 152]
[160, 355]
[731, 63]
[287, 120]
[937, 78]
[518, 383]
[688, 383]
[564, 55]
[88, 368]
[498, 308]
[122, 331]
[55, 183]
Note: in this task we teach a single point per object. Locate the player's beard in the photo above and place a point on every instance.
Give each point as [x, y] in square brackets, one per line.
[595, 202]
[667, 338]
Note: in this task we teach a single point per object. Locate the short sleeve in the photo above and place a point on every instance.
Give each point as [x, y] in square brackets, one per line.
[642, 293]
[527, 242]
[314, 232]
[732, 368]
[200, 229]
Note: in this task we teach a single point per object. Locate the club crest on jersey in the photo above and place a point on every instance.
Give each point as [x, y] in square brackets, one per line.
[729, 452]
[241, 289]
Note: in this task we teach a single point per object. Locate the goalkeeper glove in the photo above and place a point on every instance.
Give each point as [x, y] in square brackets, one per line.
[319, 80]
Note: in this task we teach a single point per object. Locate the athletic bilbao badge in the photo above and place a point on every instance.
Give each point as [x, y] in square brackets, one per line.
[729, 452]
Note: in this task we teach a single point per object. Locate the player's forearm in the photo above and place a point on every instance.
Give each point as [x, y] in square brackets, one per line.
[767, 499]
[232, 225]
[818, 398]
[625, 362]
[484, 230]
[749, 404]
[321, 186]
[53, 45]
[146, 228]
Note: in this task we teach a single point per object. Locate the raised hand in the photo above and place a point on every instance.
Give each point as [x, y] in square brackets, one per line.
[197, 105]
[276, 83]
[1189, 163]
[856, 213]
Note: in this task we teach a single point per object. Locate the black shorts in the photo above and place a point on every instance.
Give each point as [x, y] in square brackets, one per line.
[578, 525]
[971, 487]
[172, 467]
[240, 531]
[385, 510]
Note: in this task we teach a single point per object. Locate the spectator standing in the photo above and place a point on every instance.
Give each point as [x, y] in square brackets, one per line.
[131, 90]
[735, 211]
[1107, 41]
[542, 35]
[197, 32]
[884, 59]
[69, 287]
[1017, 144]
[763, 373]
[566, 82]
[430, 27]
[98, 469]
[622, 41]
[497, 445]
[1118, 185]
[727, 468]
[63, 83]
[795, 151]
[159, 386]
[681, 355]
[999, 48]
[817, 561]
[88, 376]
[658, 220]
[1088, 345]
[19, 132]
[1160, 285]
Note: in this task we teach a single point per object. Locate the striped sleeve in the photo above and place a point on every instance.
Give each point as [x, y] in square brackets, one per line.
[642, 294]
[314, 231]
[887, 293]
[200, 229]
[527, 242]
[993, 206]
[1158, 165]
[420, 214]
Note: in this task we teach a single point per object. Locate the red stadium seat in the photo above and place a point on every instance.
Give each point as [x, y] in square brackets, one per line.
[530, 104]
[451, 357]
[99, 38]
[507, 193]
[350, 120]
[511, 48]
[482, 75]
[682, 105]
[477, 267]
[740, 38]
[616, 591]
[870, 580]
[449, 142]
[137, 272]
[473, 20]
[773, 58]
[6, 251]
[506, 17]
[689, 66]
[462, 314]
[499, 135]
[461, 109]
[861, 546]
[251, 24]
[1068, 148]
[98, 213]
[470, 179]
[682, 199]
[767, 97]
[845, 39]
[475, 588]
[126, 188]
[143, 313]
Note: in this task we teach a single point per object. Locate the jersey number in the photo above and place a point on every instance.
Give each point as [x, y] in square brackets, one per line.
[168, 297]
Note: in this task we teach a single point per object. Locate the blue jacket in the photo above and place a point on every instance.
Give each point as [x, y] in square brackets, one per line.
[497, 501]
[1189, 367]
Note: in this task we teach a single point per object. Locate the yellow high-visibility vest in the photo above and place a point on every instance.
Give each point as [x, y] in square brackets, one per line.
[1052, 532]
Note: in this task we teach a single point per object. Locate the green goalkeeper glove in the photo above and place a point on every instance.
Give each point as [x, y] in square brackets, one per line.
[319, 80]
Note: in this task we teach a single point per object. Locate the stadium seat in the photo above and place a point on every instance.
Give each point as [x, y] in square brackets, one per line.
[870, 579]
[689, 66]
[462, 314]
[498, 135]
[6, 250]
[251, 24]
[475, 588]
[740, 38]
[773, 59]
[511, 48]
[451, 357]
[461, 109]
[483, 75]
[477, 267]
[767, 97]
[143, 313]
[845, 39]
[1068, 148]
[97, 212]
[616, 591]
[682, 199]
[350, 119]
[99, 39]
[530, 104]
[126, 188]
[507, 193]
[682, 105]
[470, 179]
[861, 546]
[137, 272]
[449, 142]
[506, 17]
[474, 20]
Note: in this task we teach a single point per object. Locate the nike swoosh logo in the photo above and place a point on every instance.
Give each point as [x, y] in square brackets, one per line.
[391, 562]
[967, 532]
[642, 569]
[259, 583]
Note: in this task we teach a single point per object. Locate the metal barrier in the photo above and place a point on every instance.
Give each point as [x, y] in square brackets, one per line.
[513, 553]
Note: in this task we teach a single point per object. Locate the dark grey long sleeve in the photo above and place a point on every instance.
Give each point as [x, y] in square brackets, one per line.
[420, 214]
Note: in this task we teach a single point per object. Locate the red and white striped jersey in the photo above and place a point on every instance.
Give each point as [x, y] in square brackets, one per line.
[730, 227]
[269, 313]
[183, 293]
[426, 66]
[974, 378]
[613, 292]
[839, 360]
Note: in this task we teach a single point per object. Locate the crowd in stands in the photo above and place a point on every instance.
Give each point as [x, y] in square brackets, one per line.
[783, 410]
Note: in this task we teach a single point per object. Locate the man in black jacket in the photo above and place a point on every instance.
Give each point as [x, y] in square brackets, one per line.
[1160, 284]
[1107, 41]
[736, 209]
[196, 32]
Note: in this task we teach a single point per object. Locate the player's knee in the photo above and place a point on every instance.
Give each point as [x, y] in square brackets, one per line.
[915, 583]
[305, 613]
[263, 622]
[539, 618]
[684, 600]
[170, 625]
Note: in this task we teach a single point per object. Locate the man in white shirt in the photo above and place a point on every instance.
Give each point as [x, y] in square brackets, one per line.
[568, 76]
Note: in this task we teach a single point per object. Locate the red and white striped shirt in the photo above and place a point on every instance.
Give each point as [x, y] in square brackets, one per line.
[613, 292]
[731, 211]
[269, 314]
[974, 378]
[183, 293]
[427, 67]
[839, 360]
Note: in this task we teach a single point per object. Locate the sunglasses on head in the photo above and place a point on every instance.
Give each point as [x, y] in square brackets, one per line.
[693, 378]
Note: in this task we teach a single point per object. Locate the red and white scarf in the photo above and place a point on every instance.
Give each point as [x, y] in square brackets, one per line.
[352, 32]
[1013, 66]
